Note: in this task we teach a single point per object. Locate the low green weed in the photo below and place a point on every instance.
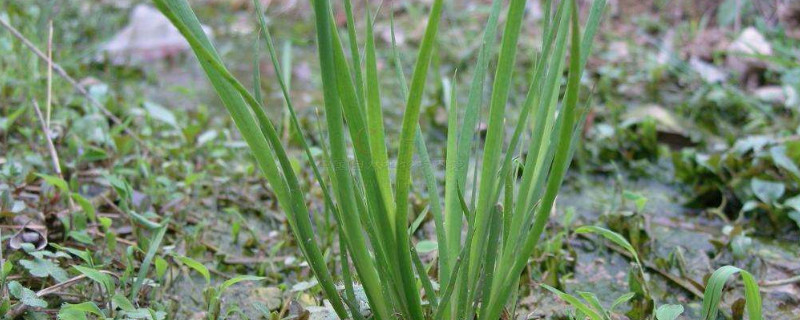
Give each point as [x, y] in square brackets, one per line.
[592, 308]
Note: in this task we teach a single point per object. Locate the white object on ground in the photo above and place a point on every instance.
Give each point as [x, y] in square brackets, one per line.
[149, 36]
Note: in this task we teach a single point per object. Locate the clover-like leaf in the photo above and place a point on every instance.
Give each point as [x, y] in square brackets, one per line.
[42, 268]
[25, 295]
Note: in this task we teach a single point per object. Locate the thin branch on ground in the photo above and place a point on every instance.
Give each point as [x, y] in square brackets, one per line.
[52, 149]
[780, 282]
[49, 73]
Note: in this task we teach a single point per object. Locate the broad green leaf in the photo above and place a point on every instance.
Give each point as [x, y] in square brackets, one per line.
[41, 268]
[304, 285]
[81, 236]
[25, 295]
[793, 203]
[84, 308]
[767, 191]
[121, 302]
[6, 269]
[751, 205]
[669, 312]
[123, 189]
[85, 204]
[71, 314]
[144, 313]
[83, 254]
[161, 267]
[795, 215]
[55, 181]
[780, 158]
[99, 277]
[160, 113]
[426, 246]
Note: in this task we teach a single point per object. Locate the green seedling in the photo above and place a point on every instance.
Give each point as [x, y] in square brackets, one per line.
[213, 295]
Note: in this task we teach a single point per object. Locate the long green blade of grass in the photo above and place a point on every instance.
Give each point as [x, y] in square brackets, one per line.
[460, 143]
[155, 244]
[521, 209]
[355, 56]
[405, 156]
[501, 89]
[295, 123]
[560, 163]
[713, 293]
[376, 212]
[427, 170]
[237, 99]
[377, 138]
[340, 163]
[445, 252]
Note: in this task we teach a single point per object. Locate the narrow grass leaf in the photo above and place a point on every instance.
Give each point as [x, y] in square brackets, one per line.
[101, 278]
[405, 156]
[144, 268]
[377, 138]
[343, 184]
[225, 285]
[577, 304]
[713, 293]
[591, 298]
[194, 265]
[425, 279]
[620, 300]
[460, 148]
[611, 236]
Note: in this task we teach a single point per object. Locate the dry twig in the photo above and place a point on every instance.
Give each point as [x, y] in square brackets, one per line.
[52, 149]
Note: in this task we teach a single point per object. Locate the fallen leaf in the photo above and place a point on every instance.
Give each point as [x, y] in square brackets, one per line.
[28, 235]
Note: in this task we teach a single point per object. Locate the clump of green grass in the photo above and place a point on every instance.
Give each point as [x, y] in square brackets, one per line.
[478, 274]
